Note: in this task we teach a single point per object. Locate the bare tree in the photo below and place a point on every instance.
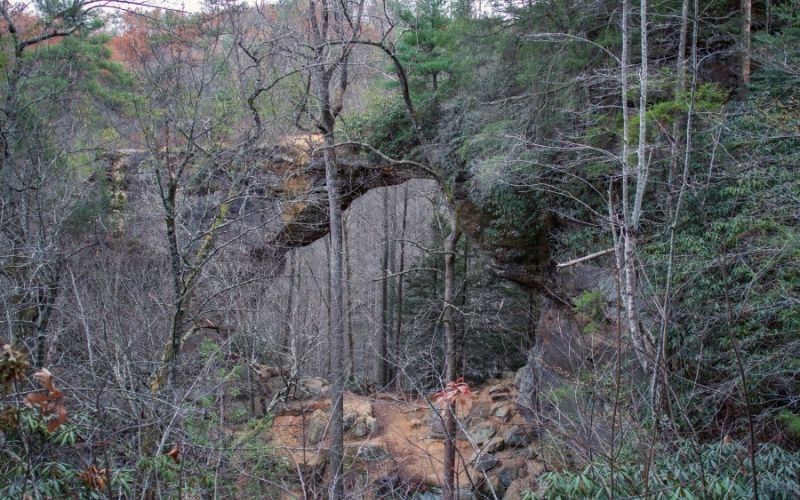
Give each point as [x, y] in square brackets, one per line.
[449, 322]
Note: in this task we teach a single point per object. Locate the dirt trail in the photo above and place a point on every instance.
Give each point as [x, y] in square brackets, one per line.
[407, 437]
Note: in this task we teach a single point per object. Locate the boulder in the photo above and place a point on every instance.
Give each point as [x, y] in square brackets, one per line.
[491, 487]
[436, 425]
[316, 425]
[365, 453]
[517, 488]
[497, 443]
[357, 408]
[499, 392]
[510, 470]
[480, 411]
[517, 436]
[482, 432]
[372, 453]
[503, 411]
[314, 465]
[485, 462]
[312, 388]
[364, 427]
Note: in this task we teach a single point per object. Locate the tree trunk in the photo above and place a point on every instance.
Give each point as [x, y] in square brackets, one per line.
[398, 328]
[337, 324]
[747, 19]
[448, 320]
[626, 247]
[284, 342]
[462, 302]
[383, 340]
[328, 287]
[183, 280]
[349, 298]
[680, 87]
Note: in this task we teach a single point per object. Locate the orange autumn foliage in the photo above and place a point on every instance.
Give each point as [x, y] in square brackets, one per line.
[94, 478]
[175, 454]
[50, 402]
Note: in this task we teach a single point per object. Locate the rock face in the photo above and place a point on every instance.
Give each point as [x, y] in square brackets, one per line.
[557, 388]
[518, 254]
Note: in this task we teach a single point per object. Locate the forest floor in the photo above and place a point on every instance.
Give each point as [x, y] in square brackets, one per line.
[404, 450]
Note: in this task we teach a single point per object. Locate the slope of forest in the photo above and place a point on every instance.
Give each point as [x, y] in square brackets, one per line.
[410, 249]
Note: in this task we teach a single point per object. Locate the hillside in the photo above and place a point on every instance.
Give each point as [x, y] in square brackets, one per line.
[431, 249]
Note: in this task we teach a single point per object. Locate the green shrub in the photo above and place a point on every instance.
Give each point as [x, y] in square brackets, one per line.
[589, 306]
[711, 471]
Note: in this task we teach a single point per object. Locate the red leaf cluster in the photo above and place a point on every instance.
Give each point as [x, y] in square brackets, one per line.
[49, 402]
[456, 393]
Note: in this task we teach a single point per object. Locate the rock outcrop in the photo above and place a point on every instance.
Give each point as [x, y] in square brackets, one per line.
[289, 179]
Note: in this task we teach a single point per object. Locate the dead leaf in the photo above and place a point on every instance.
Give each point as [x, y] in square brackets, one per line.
[94, 478]
[175, 454]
